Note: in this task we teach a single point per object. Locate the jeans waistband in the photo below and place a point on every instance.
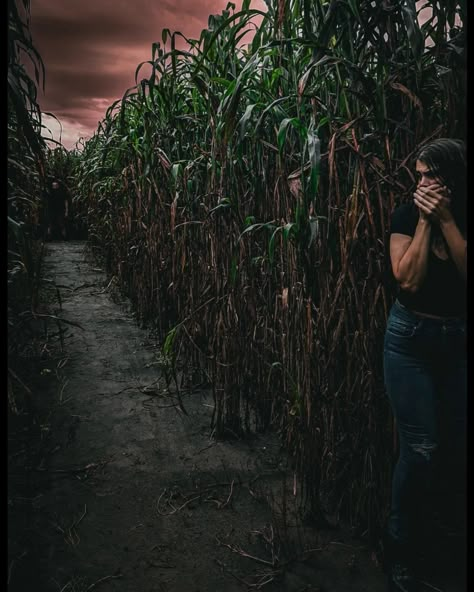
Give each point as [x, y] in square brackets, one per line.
[405, 313]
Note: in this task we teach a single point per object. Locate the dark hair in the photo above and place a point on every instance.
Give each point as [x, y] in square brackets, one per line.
[446, 158]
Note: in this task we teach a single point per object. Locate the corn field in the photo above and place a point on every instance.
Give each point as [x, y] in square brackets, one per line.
[30, 163]
[26, 167]
[241, 193]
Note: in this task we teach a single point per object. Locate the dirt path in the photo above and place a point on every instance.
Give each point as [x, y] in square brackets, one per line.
[135, 496]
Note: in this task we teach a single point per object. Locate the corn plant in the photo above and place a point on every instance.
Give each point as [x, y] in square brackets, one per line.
[26, 165]
[241, 193]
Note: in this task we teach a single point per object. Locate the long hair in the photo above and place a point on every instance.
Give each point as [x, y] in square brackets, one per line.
[446, 157]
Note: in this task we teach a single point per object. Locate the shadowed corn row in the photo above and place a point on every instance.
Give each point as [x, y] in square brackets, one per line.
[30, 162]
[25, 171]
[241, 195]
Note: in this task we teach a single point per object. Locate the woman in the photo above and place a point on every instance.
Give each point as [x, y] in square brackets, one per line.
[425, 345]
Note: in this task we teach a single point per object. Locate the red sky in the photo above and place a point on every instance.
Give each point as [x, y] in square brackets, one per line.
[91, 48]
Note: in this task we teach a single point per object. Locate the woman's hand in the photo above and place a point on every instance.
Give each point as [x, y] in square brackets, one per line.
[433, 202]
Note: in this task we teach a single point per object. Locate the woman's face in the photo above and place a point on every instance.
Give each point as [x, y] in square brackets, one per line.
[424, 175]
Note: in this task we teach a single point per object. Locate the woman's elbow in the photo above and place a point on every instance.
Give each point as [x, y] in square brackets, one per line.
[408, 286]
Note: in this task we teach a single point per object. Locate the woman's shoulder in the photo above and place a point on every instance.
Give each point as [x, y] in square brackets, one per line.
[404, 219]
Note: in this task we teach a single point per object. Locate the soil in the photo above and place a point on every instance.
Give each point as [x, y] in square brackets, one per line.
[117, 487]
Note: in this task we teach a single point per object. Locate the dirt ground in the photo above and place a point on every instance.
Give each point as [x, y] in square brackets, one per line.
[126, 493]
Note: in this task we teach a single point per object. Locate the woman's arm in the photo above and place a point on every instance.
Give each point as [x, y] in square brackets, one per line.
[457, 245]
[409, 256]
[435, 205]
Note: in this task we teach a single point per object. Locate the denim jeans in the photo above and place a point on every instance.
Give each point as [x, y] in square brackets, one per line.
[425, 377]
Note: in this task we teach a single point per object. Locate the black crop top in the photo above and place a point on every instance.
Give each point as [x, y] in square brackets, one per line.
[444, 292]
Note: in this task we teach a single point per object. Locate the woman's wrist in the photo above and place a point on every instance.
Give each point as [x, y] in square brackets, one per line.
[446, 222]
[424, 221]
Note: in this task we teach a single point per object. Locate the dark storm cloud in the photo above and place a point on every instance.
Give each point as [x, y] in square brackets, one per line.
[91, 48]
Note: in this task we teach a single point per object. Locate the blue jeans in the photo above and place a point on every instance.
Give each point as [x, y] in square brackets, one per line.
[426, 381]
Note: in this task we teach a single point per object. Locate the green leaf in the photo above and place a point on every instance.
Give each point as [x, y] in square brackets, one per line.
[16, 227]
[223, 82]
[415, 36]
[322, 122]
[314, 149]
[267, 109]
[281, 136]
[355, 9]
[224, 203]
[314, 229]
[296, 123]
[176, 170]
[249, 220]
[245, 119]
[169, 342]
[271, 245]
[253, 227]
[288, 229]
[276, 74]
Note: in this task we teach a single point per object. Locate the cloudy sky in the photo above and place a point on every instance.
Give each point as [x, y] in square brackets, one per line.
[91, 48]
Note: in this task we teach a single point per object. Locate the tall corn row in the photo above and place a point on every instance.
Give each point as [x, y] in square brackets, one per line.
[242, 196]
[25, 173]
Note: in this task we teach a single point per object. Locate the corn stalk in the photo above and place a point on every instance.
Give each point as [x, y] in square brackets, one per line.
[241, 193]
